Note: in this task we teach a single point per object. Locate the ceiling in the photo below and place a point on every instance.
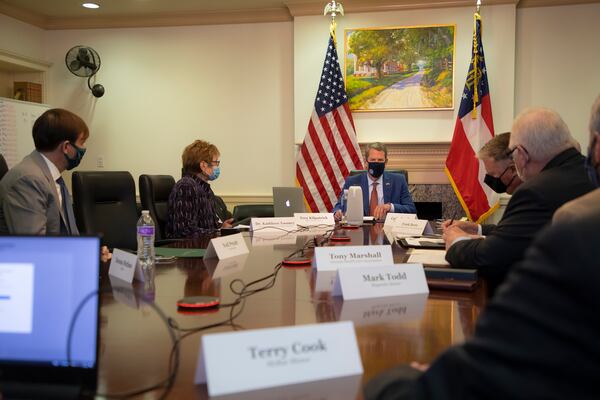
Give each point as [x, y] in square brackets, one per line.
[68, 14]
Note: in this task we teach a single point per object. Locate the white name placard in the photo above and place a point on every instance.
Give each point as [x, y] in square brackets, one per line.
[371, 282]
[335, 257]
[270, 239]
[387, 309]
[123, 265]
[226, 246]
[316, 219]
[264, 358]
[281, 225]
[391, 219]
[411, 227]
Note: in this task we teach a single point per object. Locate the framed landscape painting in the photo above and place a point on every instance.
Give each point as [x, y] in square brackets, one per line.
[400, 68]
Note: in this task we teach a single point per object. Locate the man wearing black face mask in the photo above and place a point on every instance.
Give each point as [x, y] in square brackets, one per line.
[501, 174]
[589, 203]
[34, 199]
[382, 192]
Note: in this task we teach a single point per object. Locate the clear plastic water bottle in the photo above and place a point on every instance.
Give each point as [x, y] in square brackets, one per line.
[145, 241]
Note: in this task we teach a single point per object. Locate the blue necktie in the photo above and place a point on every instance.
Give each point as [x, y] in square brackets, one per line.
[64, 193]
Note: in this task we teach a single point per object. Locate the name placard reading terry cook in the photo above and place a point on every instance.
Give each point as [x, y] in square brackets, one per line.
[314, 219]
[264, 358]
[371, 282]
[335, 257]
[279, 224]
[226, 246]
[123, 265]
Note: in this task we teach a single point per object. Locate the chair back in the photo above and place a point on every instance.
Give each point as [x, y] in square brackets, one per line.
[154, 196]
[429, 210]
[393, 171]
[104, 204]
[244, 212]
[3, 166]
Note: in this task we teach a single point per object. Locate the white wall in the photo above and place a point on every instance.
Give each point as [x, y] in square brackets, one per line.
[310, 41]
[165, 87]
[558, 60]
[21, 38]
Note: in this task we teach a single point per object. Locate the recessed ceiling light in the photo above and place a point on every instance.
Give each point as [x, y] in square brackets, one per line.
[90, 5]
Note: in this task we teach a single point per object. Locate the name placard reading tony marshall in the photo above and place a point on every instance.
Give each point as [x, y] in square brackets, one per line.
[336, 257]
[257, 359]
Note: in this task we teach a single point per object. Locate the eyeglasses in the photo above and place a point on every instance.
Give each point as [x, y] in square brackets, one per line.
[510, 152]
[215, 163]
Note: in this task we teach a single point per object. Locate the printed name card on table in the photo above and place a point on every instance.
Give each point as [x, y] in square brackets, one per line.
[226, 246]
[123, 265]
[392, 219]
[411, 227]
[370, 282]
[242, 361]
[335, 257]
[280, 225]
[309, 220]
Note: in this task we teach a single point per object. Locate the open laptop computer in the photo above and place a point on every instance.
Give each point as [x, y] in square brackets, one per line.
[287, 201]
[43, 281]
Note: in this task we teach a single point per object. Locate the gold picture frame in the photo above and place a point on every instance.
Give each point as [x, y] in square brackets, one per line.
[404, 68]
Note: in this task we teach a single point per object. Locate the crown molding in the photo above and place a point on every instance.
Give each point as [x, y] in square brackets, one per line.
[23, 15]
[360, 6]
[550, 3]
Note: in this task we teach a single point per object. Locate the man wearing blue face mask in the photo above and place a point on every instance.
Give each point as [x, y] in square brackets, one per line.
[589, 203]
[34, 199]
[382, 192]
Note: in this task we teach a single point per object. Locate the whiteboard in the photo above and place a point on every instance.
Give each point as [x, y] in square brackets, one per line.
[16, 120]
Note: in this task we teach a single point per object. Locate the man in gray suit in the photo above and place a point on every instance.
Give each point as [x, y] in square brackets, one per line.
[585, 205]
[34, 199]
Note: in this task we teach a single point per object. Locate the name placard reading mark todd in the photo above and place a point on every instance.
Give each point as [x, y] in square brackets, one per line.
[264, 358]
[335, 257]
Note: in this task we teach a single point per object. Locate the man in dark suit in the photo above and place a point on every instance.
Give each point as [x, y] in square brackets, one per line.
[538, 337]
[382, 192]
[552, 170]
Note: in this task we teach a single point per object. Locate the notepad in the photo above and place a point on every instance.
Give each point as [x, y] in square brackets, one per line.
[177, 252]
[428, 257]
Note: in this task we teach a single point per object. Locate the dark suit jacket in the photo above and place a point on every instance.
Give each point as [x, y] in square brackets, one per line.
[395, 191]
[537, 338]
[530, 208]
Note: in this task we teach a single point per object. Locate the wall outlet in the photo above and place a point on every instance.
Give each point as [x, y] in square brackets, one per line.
[100, 162]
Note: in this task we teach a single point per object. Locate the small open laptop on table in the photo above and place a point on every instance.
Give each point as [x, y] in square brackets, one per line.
[287, 201]
[43, 282]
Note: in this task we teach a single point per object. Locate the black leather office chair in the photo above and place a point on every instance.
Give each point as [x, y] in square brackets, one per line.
[104, 204]
[393, 171]
[243, 213]
[429, 210]
[3, 166]
[154, 195]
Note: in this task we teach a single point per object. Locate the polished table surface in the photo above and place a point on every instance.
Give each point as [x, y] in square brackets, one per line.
[135, 345]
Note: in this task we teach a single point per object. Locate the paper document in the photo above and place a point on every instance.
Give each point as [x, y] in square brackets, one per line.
[423, 241]
[428, 257]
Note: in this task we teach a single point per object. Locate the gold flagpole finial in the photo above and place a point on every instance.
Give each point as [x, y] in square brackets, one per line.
[333, 8]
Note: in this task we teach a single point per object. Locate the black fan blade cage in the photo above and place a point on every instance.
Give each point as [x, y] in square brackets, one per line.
[82, 61]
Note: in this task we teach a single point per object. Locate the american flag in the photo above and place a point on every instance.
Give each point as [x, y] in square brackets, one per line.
[474, 127]
[330, 150]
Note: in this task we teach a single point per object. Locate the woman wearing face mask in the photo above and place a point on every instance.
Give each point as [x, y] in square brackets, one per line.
[192, 202]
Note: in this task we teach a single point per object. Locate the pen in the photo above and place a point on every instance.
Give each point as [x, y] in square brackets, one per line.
[451, 222]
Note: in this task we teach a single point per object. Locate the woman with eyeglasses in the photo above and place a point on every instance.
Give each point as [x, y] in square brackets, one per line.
[192, 207]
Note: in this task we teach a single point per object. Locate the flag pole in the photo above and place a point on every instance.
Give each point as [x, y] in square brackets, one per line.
[476, 17]
[333, 8]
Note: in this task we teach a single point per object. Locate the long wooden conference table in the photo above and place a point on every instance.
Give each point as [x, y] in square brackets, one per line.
[136, 348]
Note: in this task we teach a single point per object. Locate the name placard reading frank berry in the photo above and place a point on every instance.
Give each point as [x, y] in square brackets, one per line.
[336, 257]
[258, 359]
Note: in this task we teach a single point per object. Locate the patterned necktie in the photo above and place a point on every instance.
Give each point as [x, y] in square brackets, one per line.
[64, 193]
[373, 201]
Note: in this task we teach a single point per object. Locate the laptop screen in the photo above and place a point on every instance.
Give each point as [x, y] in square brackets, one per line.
[42, 282]
[287, 201]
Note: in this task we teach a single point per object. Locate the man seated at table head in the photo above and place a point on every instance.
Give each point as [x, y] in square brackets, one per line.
[552, 170]
[382, 192]
[34, 199]
[192, 209]
[501, 174]
[538, 337]
[590, 202]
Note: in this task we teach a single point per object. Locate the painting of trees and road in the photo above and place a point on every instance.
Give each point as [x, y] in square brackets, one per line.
[405, 68]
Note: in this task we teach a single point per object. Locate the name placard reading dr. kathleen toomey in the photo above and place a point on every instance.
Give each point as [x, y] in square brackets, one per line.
[242, 361]
[334, 257]
[226, 246]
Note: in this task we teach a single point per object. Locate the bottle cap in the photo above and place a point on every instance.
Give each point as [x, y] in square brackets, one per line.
[145, 212]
